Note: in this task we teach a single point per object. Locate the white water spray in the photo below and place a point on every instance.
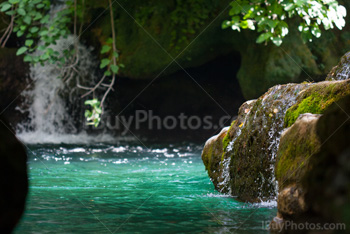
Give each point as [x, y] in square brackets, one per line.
[50, 121]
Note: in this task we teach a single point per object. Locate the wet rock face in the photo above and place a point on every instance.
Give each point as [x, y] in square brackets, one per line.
[298, 143]
[162, 29]
[291, 202]
[327, 181]
[13, 179]
[13, 81]
[245, 165]
[250, 145]
[342, 70]
[211, 157]
[313, 170]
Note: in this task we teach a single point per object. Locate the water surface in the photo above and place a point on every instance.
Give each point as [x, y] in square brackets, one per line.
[130, 189]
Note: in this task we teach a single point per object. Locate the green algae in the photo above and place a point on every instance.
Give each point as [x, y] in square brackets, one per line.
[316, 100]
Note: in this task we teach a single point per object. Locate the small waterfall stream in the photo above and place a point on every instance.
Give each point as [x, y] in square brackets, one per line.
[255, 139]
[52, 100]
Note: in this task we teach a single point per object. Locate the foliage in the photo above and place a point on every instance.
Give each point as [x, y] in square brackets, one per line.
[41, 24]
[32, 21]
[187, 17]
[93, 116]
[270, 17]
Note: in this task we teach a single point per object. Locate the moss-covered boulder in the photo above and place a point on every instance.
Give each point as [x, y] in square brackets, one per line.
[211, 156]
[13, 178]
[297, 144]
[327, 181]
[316, 99]
[313, 170]
[245, 165]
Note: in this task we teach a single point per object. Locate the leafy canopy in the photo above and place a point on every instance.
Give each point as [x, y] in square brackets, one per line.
[269, 17]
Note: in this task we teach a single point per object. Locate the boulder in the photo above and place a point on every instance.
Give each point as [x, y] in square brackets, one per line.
[313, 171]
[13, 178]
[246, 164]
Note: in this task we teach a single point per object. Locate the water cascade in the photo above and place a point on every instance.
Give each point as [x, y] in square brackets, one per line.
[55, 108]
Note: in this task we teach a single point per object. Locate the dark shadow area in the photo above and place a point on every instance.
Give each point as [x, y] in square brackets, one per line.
[206, 98]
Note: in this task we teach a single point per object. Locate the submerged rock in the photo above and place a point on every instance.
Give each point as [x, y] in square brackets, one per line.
[13, 179]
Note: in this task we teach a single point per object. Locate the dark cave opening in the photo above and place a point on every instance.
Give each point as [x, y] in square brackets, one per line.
[208, 91]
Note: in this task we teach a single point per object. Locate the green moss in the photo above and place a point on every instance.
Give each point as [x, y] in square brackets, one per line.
[316, 100]
[227, 138]
[295, 150]
[206, 157]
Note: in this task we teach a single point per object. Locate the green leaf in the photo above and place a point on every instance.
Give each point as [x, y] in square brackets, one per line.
[235, 10]
[104, 63]
[115, 69]
[92, 102]
[108, 73]
[109, 41]
[20, 33]
[88, 113]
[27, 19]
[12, 12]
[289, 7]
[29, 42]
[263, 37]
[13, 1]
[27, 58]
[21, 11]
[105, 49]
[21, 50]
[39, 6]
[277, 41]
[272, 23]
[5, 7]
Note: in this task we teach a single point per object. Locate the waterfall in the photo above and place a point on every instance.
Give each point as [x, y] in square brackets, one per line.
[52, 100]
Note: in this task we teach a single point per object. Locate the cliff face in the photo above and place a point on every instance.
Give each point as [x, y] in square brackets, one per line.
[151, 34]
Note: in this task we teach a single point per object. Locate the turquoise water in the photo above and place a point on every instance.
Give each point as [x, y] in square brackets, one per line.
[130, 189]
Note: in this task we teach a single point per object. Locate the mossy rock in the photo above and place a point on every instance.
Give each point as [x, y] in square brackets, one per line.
[211, 157]
[316, 99]
[297, 144]
[252, 143]
[327, 181]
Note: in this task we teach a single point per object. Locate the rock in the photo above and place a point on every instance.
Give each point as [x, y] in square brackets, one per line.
[13, 81]
[190, 31]
[211, 156]
[342, 70]
[327, 181]
[291, 202]
[13, 179]
[245, 166]
[316, 99]
[297, 144]
[313, 169]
